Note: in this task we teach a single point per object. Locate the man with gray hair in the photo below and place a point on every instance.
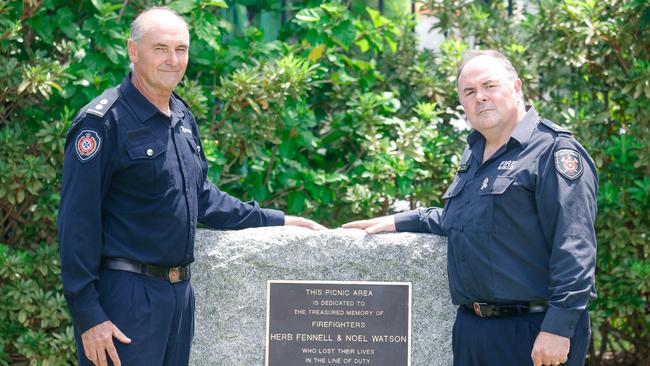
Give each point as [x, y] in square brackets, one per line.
[519, 218]
[134, 189]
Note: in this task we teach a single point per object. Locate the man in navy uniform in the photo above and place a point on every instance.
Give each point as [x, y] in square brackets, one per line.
[134, 188]
[519, 218]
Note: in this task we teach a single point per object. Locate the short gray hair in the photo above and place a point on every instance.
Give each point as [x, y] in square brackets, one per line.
[136, 25]
[470, 54]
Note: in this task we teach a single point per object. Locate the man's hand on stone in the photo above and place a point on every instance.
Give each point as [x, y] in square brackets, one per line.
[550, 349]
[302, 222]
[373, 226]
[98, 341]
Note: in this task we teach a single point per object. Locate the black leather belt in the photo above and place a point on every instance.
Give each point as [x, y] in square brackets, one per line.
[485, 310]
[171, 274]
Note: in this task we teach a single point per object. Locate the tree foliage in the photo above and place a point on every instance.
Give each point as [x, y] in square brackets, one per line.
[342, 117]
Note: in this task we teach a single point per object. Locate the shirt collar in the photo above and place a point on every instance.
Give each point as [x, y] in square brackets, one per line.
[476, 143]
[524, 129]
[474, 137]
[177, 107]
[142, 107]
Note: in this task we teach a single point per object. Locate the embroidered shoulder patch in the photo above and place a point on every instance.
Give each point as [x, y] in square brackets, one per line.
[87, 144]
[568, 162]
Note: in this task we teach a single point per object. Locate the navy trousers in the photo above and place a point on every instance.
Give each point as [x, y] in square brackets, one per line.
[508, 340]
[156, 315]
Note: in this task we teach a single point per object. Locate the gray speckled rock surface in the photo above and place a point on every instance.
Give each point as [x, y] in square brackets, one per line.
[232, 267]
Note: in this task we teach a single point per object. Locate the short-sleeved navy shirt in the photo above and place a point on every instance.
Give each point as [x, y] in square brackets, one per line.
[134, 187]
[520, 226]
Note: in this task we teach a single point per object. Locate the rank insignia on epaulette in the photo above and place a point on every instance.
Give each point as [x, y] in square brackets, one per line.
[98, 109]
[100, 105]
[568, 162]
[87, 144]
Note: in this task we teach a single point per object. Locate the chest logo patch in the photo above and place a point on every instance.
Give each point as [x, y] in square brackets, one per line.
[507, 165]
[87, 145]
[568, 162]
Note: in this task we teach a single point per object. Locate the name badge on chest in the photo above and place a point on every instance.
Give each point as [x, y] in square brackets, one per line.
[507, 165]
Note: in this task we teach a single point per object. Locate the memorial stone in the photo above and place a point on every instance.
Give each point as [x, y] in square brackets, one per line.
[233, 268]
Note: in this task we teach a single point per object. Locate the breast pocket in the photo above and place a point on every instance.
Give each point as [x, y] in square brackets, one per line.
[147, 167]
[194, 145]
[452, 204]
[489, 197]
[454, 189]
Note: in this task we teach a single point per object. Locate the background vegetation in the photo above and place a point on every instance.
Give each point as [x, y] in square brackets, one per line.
[333, 114]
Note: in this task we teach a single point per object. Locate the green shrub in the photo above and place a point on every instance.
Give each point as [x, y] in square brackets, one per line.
[342, 117]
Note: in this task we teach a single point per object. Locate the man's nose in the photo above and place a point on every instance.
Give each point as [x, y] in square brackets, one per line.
[172, 58]
[480, 96]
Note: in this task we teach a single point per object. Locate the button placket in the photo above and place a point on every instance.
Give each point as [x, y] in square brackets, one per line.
[190, 200]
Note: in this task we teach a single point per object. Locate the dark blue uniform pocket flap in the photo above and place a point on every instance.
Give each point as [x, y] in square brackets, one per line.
[499, 186]
[455, 188]
[148, 150]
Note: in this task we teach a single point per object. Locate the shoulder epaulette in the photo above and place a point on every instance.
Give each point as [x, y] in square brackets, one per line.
[555, 127]
[100, 105]
[464, 160]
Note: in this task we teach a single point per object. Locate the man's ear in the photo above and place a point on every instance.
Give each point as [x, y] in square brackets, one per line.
[518, 86]
[518, 90]
[132, 47]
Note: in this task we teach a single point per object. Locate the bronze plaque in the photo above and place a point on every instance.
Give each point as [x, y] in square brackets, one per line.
[338, 323]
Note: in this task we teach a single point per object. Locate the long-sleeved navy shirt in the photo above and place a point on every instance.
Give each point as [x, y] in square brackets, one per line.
[520, 226]
[134, 186]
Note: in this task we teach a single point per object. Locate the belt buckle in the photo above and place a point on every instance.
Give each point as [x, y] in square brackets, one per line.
[477, 308]
[174, 274]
